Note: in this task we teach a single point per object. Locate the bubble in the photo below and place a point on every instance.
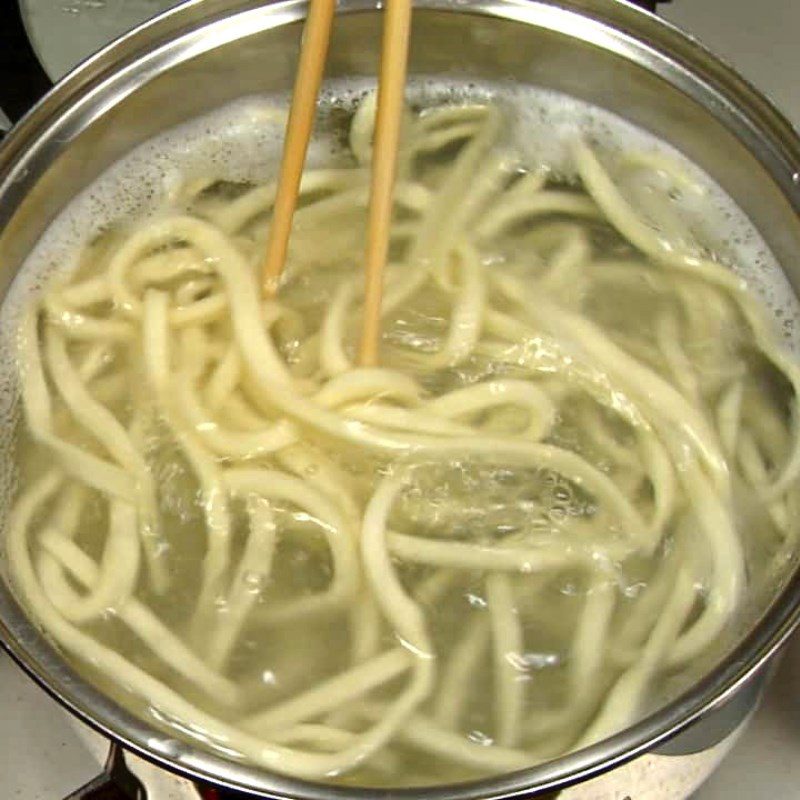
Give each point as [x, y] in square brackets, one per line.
[481, 738]
[254, 582]
[562, 494]
[633, 590]
[221, 604]
[537, 661]
[269, 678]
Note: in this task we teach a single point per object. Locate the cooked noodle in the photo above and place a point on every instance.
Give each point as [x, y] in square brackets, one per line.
[515, 448]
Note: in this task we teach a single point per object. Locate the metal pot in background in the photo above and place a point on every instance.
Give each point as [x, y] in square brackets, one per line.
[603, 51]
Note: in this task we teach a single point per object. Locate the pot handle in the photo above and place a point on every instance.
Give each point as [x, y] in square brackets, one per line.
[116, 782]
[24, 80]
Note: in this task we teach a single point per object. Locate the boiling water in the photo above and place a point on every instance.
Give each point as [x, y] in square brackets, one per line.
[524, 657]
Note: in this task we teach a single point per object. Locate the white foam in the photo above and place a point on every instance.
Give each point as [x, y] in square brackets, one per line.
[545, 124]
[242, 142]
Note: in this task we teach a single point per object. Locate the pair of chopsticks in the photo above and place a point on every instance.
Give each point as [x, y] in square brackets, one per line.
[391, 85]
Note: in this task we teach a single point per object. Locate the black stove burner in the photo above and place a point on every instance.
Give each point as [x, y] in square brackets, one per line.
[115, 782]
[25, 80]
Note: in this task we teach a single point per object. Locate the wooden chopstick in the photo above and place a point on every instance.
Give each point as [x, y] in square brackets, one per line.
[391, 87]
[313, 53]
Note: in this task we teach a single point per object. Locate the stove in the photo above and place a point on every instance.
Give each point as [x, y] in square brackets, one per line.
[45, 754]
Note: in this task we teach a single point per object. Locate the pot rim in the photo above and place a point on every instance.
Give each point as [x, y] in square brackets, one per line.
[637, 35]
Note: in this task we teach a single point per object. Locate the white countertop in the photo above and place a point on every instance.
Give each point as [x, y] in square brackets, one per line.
[758, 37]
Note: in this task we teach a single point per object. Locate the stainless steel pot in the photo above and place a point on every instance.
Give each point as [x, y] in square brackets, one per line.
[208, 52]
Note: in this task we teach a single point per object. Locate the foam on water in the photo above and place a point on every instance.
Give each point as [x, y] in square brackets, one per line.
[544, 125]
[242, 142]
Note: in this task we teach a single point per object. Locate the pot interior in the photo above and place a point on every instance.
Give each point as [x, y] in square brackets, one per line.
[204, 55]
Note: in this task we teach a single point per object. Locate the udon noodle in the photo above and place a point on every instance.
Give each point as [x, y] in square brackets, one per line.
[577, 458]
